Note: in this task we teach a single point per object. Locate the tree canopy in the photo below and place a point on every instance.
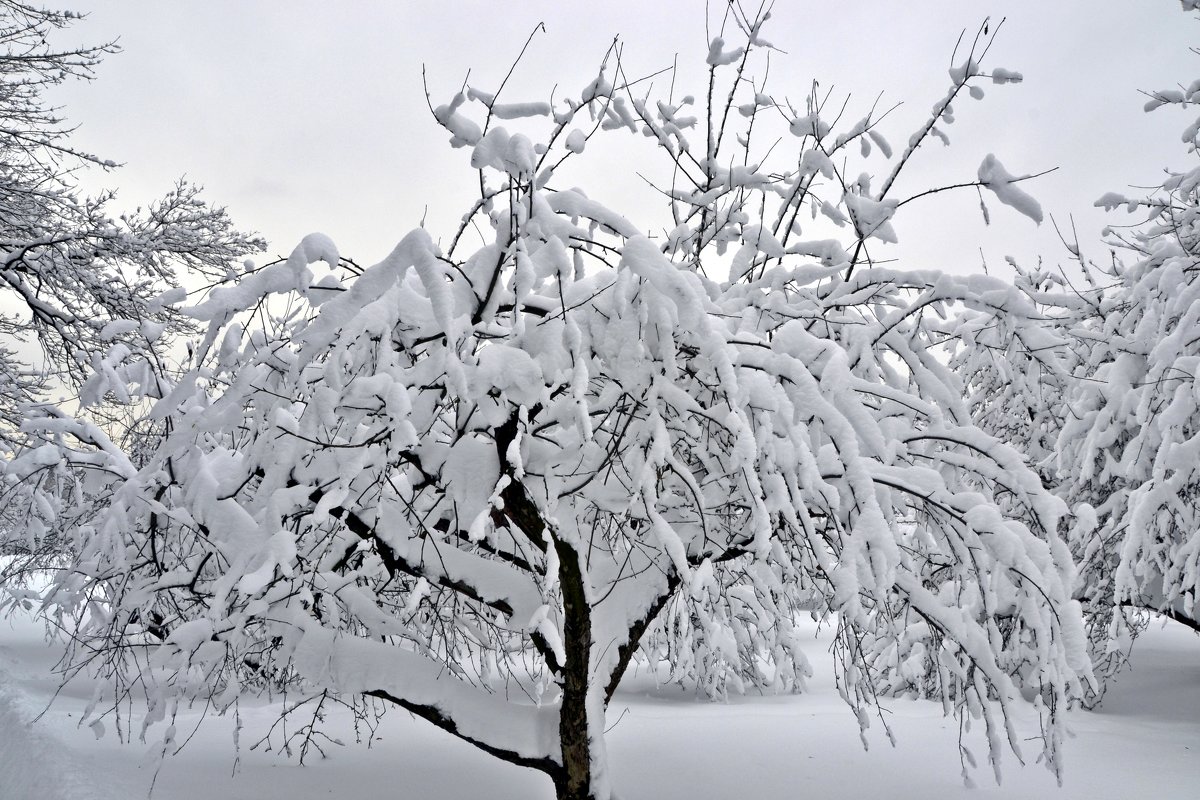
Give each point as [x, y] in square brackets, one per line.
[479, 481]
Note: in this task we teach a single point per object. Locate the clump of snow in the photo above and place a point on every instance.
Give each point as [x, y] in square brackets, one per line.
[718, 56]
[576, 140]
[463, 130]
[168, 298]
[995, 177]
[520, 110]
[117, 328]
[884, 146]
[512, 154]
[1001, 75]
[872, 218]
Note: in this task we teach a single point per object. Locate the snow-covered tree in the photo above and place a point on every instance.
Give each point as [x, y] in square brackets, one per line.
[478, 484]
[78, 289]
[1016, 371]
[74, 280]
[1129, 452]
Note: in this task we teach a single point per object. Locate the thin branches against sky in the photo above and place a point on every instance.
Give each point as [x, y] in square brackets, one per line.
[311, 116]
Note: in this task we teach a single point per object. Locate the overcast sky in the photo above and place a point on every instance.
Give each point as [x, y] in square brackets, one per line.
[310, 116]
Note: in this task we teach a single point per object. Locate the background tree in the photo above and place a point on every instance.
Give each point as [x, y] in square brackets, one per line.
[1100, 399]
[74, 277]
[479, 483]
[1017, 372]
[78, 286]
[1128, 458]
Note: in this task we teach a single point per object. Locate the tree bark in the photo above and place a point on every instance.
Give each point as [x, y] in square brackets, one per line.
[575, 781]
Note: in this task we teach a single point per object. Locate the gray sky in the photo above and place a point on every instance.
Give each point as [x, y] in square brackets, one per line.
[309, 116]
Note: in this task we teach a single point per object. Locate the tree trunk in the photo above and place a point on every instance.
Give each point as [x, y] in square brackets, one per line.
[575, 780]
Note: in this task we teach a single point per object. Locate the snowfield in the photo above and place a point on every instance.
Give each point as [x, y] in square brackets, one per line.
[665, 743]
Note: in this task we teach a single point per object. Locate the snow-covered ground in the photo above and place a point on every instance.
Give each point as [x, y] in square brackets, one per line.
[664, 744]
